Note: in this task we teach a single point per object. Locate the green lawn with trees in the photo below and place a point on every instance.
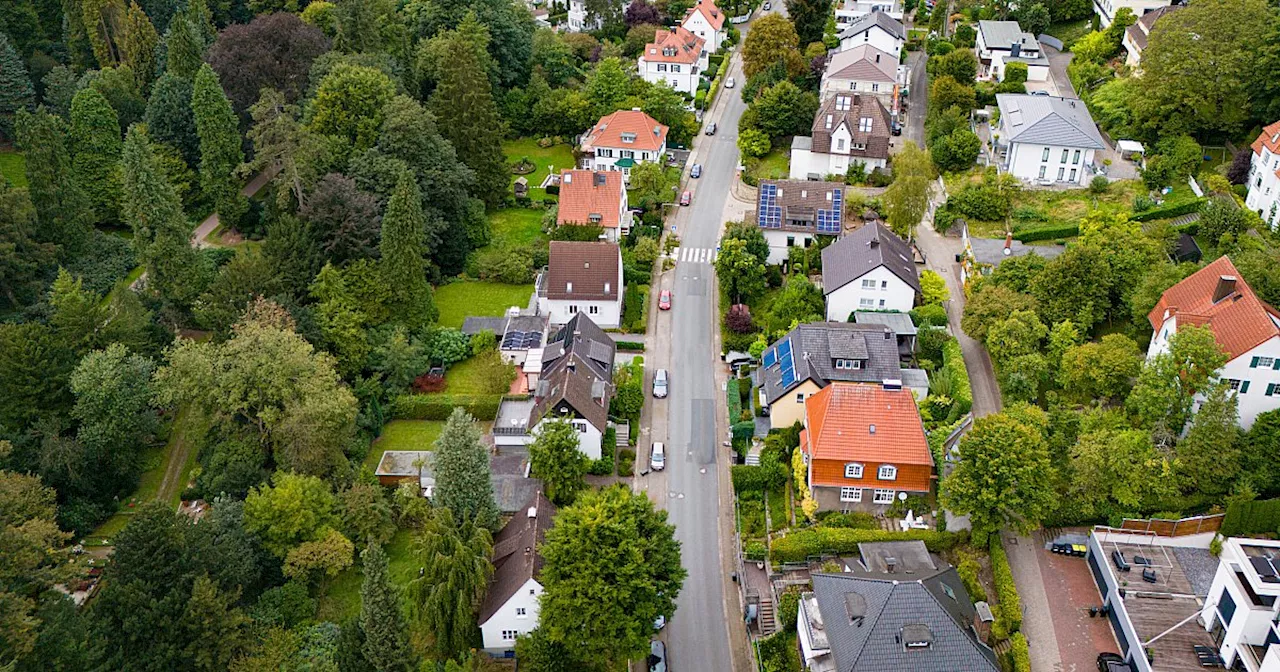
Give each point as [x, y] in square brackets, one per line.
[557, 157]
[515, 227]
[403, 435]
[459, 300]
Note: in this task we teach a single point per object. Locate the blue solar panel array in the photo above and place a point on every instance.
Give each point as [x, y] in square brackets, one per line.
[829, 220]
[787, 363]
[770, 358]
[769, 213]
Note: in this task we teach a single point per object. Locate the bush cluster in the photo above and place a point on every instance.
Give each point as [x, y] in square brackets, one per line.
[757, 478]
[1256, 517]
[800, 545]
[626, 462]
[439, 406]
[1010, 617]
[982, 201]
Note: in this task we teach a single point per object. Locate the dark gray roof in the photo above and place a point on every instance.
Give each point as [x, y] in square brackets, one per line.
[909, 557]
[815, 344]
[515, 552]
[991, 251]
[474, 325]
[889, 610]
[855, 254]
[583, 341]
[1047, 120]
[889, 24]
[900, 323]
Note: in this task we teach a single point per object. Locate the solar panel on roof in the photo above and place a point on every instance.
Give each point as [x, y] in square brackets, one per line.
[784, 348]
[788, 377]
[770, 358]
[769, 213]
[829, 219]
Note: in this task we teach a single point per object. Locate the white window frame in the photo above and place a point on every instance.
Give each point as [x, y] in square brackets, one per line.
[1265, 363]
[866, 303]
[851, 494]
[521, 612]
[510, 635]
[853, 470]
[799, 397]
[1044, 156]
[887, 472]
[573, 309]
[864, 125]
[882, 496]
[593, 310]
[868, 283]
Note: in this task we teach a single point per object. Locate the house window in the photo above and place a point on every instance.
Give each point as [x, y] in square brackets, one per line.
[884, 285]
[791, 241]
[1226, 608]
[883, 496]
[866, 303]
[593, 309]
[851, 494]
[573, 310]
[1272, 389]
[1262, 362]
[509, 635]
[875, 87]
[1045, 155]
[1042, 172]
[887, 472]
[882, 303]
[662, 67]
[1244, 387]
[675, 68]
[521, 613]
[840, 145]
[1233, 384]
[868, 283]
[1073, 175]
[628, 154]
[853, 470]
[853, 86]
[1075, 158]
[581, 427]
[864, 124]
[1064, 156]
[1060, 173]
[799, 397]
[531, 591]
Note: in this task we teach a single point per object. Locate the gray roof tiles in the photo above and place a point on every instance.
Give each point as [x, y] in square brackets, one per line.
[1047, 120]
[875, 19]
[1001, 34]
[863, 63]
[812, 355]
[859, 252]
[849, 109]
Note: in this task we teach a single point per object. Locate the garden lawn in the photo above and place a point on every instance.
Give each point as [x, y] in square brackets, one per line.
[14, 167]
[467, 377]
[515, 227]
[341, 599]
[555, 157]
[459, 300]
[1070, 31]
[403, 435]
[775, 165]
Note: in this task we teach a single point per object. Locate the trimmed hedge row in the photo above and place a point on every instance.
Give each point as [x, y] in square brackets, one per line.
[1257, 517]
[1047, 233]
[743, 430]
[800, 545]
[1170, 211]
[733, 398]
[630, 346]
[752, 478]
[1006, 590]
[961, 393]
[1020, 654]
[439, 406]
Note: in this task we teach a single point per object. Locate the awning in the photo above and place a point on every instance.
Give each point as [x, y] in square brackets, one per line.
[625, 163]
[1129, 146]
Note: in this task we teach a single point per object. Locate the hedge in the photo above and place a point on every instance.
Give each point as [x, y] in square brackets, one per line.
[1256, 517]
[753, 478]
[439, 406]
[1047, 233]
[630, 346]
[800, 545]
[961, 392]
[743, 430]
[733, 397]
[1020, 654]
[1006, 589]
[1170, 211]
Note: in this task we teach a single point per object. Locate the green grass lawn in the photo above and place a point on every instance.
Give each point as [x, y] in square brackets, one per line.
[14, 167]
[772, 166]
[515, 227]
[341, 599]
[555, 157]
[1070, 31]
[459, 300]
[468, 377]
[403, 435]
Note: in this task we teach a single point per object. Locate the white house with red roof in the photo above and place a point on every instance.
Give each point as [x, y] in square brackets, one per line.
[706, 20]
[621, 140]
[1264, 176]
[594, 198]
[675, 57]
[1245, 327]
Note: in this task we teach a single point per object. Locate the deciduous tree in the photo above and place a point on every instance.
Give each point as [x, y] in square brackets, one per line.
[741, 273]
[558, 460]
[273, 51]
[294, 509]
[1169, 381]
[1121, 467]
[1103, 369]
[23, 260]
[349, 104]
[772, 40]
[907, 199]
[1209, 455]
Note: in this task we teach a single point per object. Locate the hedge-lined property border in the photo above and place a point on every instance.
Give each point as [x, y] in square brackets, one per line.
[439, 406]
[1170, 211]
[803, 544]
[1256, 517]
[1008, 601]
[1047, 233]
[962, 392]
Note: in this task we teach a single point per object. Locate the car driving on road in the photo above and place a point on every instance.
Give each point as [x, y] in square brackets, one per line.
[658, 457]
[660, 384]
[686, 198]
[728, 83]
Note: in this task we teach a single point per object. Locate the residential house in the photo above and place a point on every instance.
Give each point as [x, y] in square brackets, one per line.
[510, 607]
[791, 213]
[1136, 36]
[983, 255]
[869, 269]
[900, 324]
[1245, 327]
[1003, 42]
[862, 69]
[1106, 9]
[923, 622]
[1047, 139]
[1242, 611]
[848, 129]
[876, 29]
[1264, 176]
[582, 277]
[518, 335]
[816, 354]
[621, 140]
[675, 57]
[594, 198]
[706, 21]
[849, 12]
[580, 20]
[863, 444]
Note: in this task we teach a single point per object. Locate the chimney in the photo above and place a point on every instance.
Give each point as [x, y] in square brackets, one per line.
[877, 58]
[528, 550]
[568, 178]
[533, 512]
[1008, 244]
[635, 109]
[1226, 287]
[890, 564]
[872, 429]
[873, 243]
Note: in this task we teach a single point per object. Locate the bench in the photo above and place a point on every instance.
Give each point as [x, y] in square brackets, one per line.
[1118, 558]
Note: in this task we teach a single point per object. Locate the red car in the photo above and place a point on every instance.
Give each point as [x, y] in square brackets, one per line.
[664, 300]
[686, 197]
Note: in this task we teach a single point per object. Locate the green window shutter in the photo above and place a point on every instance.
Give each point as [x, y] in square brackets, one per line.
[1253, 363]
[1244, 387]
[1276, 364]
[1270, 388]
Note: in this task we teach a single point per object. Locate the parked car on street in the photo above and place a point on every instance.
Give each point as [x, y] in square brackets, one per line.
[664, 300]
[686, 198]
[711, 128]
[660, 384]
[728, 83]
[657, 656]
[696, 172]
[658, 457]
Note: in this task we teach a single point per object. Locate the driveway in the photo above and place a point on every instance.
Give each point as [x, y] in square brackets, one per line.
[917, 102]
[1058, 62]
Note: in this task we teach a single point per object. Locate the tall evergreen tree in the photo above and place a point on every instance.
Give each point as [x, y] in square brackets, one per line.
[138, 43]
[95, 146]
[23, 260]
[62, 207]
[220, 153]
[183, 47]
[15, 87]
[462, 472]
[386, 643]
[170, 119]
[464, 106]
[161, 231]
[403, 255]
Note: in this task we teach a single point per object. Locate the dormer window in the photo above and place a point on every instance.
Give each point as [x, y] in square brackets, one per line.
[628, 137]
[864, 125]
[887, 472]
[595, 217]
[843, 103]
[848, 364]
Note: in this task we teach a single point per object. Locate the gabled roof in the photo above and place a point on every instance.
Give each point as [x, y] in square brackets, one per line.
[849, 109]
[676, 45]
[591, 198]
[811, 347]
[580, 340]
[875, 20]
[1002, 34]
[864, 250]
[864, 620]
[516, 556]
[1269, 138]
[648, 134]
[1048, 120]
[1240, 320]
[1139, 31]
[859, 422]
[864, 63]
[573, 390]
[583, 271]
[709, 11]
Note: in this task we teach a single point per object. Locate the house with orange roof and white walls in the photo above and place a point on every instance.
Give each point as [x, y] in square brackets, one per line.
[706, 20]
[864, 445]
[1245, 327]
[621, 140]
[1264, 176]
[675, 58]
[594, 198]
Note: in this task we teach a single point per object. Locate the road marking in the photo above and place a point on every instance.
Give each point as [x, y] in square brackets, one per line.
[695, 255]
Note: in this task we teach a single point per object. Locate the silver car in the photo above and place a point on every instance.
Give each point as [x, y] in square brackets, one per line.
[657, 656]
[660, 384]
[658, 457]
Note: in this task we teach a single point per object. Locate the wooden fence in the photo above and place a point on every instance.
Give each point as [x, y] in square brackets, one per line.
[1175, 528]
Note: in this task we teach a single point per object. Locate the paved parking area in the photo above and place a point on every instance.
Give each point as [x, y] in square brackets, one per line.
[1071, 590]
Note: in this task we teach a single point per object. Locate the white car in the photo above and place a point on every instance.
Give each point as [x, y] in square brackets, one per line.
[660, 382]
[728, 83]
[658, 457]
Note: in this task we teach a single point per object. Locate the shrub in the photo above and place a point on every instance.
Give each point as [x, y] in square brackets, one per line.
[1006, 589]
[1254, 517]
[604, 465]
[743, 430]
[1047, 233]
[630, 346]
[739, 319]
[1099, 184]
[853, 520]
[982, 201]
[778, 653]
[755, 479]
[961, 393]
[932, 315]
[799, 545]
[626, 462]
[439, 406]
[879, 178]
[788, 608]
[968, 569]
[553, 190]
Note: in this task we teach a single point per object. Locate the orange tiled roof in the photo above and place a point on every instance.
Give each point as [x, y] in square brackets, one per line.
[1240, 321]
[608, 132]
[839, 420]
[1269, 138]
[584, 193]
[676, 45]
[709, 11]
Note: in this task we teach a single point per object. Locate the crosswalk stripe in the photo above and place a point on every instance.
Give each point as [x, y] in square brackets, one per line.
[695, 255]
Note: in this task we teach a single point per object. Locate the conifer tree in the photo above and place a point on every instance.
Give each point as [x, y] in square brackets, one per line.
[22, 260]
[462, 472]
[403, 255]
[138, 43]
[468, 117]
[183, 47]
[95, 146]
[220, 153]
[386, 641]
[15, 87]
[62, 207]
[170, 119]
